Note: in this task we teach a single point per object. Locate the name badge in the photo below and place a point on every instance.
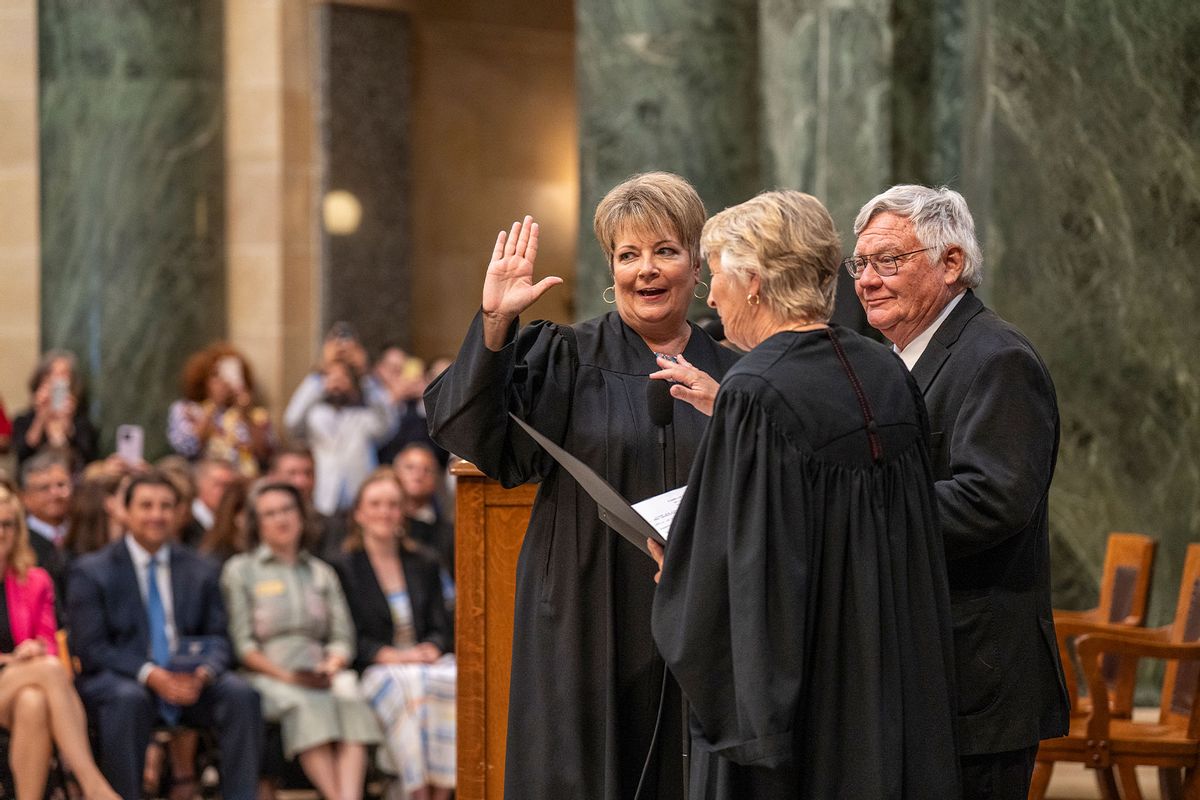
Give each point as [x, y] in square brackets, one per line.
[272, 588]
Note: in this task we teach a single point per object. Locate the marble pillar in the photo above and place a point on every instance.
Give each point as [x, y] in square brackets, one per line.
[1083, 160]
[132, 200]
[366, 100]
[666, 85]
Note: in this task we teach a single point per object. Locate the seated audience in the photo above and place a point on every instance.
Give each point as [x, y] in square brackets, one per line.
[58, 416]
[38, 704]
[218, 417]
[292, 633]
[395, 595]
[293, 463]
[46, 491]
[342, 419]
[132, 605]
[228, 535]
[420, 475]
[212, 479]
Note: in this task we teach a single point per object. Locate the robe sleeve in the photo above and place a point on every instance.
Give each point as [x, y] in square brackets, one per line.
[730, 611]
[533, 376]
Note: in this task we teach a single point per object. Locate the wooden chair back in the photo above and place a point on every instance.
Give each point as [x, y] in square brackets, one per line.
[1125, 580]
[1181, 679]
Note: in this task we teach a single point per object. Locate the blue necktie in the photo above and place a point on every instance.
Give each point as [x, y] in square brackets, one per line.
[160, 647]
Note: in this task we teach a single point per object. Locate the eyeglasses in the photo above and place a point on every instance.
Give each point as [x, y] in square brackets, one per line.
[884, 264]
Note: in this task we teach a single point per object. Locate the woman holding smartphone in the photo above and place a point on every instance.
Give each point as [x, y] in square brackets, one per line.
[58, 417]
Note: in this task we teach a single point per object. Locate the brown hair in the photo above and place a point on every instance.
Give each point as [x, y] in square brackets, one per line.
[88, 528]
[222, 540]
[200, 366]
[653, 202]
[788, 239]
[308, 533]
[20, 557]
[354, 537]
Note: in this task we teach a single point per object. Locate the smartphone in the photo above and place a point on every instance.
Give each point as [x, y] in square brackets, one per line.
[229, 369]
[131, 440]
[60, 391]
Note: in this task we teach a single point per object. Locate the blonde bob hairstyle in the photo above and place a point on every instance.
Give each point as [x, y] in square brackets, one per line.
[20, 556]
[788, 239]
[654, 203]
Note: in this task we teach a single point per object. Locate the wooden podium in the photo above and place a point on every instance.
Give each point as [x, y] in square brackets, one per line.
[489, 528]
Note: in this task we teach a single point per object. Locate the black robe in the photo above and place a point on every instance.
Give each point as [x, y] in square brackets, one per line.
[804, 606]
[586, 678]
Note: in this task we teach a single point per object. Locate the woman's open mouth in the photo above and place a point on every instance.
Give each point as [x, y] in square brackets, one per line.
[651, 292]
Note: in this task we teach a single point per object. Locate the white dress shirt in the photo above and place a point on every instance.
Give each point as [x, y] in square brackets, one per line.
[52, 533]
[141, 560]
[912, 353]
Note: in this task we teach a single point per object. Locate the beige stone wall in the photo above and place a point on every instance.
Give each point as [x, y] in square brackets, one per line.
[494, 137]
[271, 172]
[19, 232]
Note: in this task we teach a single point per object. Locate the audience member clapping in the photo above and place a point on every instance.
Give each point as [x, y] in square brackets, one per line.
[58, 416]
[292, 632]
[218, 417]
[38, 704]
[404, 633]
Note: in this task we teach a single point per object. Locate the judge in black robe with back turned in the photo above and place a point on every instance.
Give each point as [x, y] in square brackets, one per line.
[587, 682]
[803, 604]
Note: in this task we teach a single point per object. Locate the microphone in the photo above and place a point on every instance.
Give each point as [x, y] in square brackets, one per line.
[659, 403]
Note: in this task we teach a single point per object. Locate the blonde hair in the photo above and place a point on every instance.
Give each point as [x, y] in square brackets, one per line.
[789, 240]
[354, 538]
[20, 556]
[652, 202]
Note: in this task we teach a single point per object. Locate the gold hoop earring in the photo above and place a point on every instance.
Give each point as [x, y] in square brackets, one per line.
[612, 289]
[752, 299]
[697, 286]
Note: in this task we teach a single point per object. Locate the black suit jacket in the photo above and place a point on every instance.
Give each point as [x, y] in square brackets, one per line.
[370, 610]
[994, 425]
[109, 629]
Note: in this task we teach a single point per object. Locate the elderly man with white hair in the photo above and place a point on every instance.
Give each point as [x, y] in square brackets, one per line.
[994, 422]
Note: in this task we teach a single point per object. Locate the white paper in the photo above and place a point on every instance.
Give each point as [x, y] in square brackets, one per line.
[660, 510]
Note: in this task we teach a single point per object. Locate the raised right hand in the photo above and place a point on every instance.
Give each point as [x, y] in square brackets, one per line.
[508, 288]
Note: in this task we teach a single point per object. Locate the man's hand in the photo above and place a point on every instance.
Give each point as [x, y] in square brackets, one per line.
[177, 688]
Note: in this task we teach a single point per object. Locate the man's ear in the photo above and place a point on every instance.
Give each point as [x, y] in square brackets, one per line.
[953, 259]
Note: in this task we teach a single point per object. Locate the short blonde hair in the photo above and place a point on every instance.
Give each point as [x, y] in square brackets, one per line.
[789, 240]
[652, 202]
[20, 556]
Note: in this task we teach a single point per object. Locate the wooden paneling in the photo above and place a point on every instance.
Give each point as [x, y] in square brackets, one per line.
[491, 524]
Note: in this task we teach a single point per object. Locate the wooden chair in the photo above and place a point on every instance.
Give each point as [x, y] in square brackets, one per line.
[1108, 738]
[1124, 594]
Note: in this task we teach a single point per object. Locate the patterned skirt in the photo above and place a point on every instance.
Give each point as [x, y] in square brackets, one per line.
[415, 704]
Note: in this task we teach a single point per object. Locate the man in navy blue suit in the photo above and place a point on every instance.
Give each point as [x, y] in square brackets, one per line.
[135, 609]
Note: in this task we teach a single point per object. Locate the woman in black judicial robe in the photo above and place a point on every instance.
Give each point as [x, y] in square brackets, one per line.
[586, 678]
[803, 604]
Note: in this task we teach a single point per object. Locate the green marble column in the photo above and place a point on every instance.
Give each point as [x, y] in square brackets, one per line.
[663, 84]
[827, 89]
[1084, 161]
[132, 208]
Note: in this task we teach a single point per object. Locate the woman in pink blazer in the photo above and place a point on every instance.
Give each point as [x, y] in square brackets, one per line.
[38, 703]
